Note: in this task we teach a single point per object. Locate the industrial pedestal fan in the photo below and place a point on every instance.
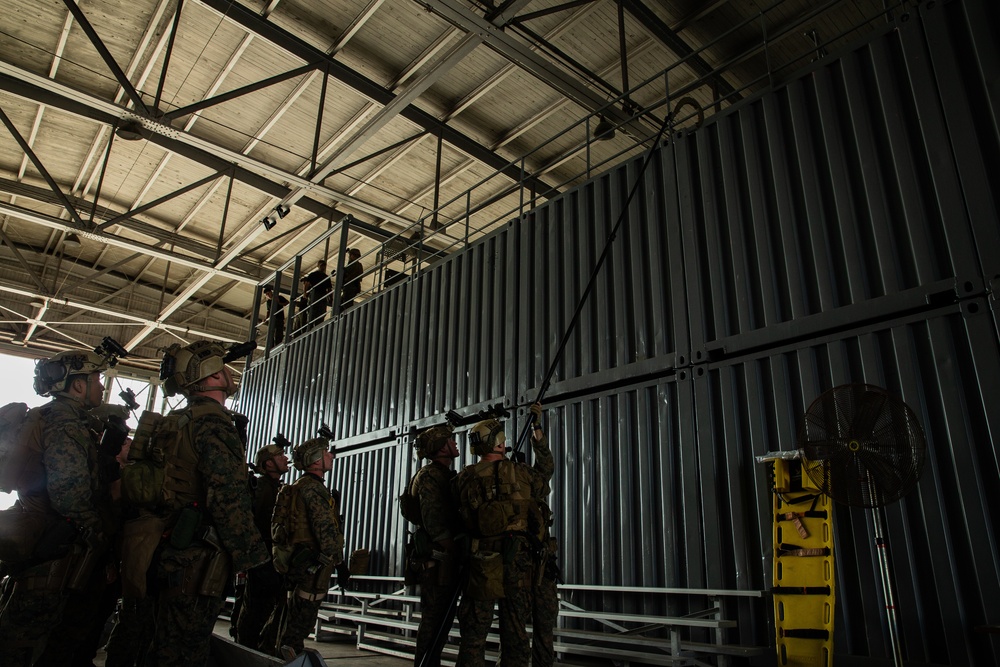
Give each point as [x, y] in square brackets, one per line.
[864, 447]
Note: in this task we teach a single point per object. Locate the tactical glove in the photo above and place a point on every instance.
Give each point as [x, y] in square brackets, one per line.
[536, 414]
[343, 575]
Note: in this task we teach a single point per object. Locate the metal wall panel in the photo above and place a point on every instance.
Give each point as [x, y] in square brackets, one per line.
[813, 203]
[635, 322]
[843, 228]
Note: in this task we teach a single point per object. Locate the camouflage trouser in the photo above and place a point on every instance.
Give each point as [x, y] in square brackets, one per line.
[263, 593]
[475, 616]
[26, 622]
[184, 625]
[84, 614]
[133, 633]
[300, 621]
[290, 623]
[32, 612]
[545, 612]
[436, 611]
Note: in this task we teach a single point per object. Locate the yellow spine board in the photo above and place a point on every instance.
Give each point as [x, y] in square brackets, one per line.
[803, 580]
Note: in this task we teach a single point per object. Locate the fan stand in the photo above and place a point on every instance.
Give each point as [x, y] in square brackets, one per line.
[885, 573]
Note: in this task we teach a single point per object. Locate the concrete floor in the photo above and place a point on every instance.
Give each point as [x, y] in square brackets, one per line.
[335, 654]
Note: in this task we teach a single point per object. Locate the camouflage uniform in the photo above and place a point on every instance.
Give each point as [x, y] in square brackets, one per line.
[66, 487]
[264, 590]
[439, 525]
[309, 580]
[545, 602]
[185, 618]
[516, 547]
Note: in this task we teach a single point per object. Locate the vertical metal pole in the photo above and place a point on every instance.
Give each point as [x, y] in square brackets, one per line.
[590, 140]
[520, 191]
[468, 213]
[891, 614]
[437, 183]
[767, 53]
[339, 284]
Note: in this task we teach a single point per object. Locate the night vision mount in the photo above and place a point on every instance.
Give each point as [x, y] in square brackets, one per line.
[496, 411]
[239, 350]
[128, 396]
[111, 350]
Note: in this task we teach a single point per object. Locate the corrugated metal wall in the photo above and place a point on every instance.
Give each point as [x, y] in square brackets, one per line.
[841, 229]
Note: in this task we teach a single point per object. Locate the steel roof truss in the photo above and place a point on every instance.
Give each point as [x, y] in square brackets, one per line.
[238, 92]
[42, 170]
[35, 278]
[121, 219]
[109, 59]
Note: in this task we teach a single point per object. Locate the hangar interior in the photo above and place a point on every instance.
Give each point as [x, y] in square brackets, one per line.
[807, 198]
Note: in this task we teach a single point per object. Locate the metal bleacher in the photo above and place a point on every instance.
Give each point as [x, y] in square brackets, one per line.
[382, 615]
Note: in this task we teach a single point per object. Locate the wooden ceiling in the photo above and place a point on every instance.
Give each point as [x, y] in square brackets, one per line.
[375, 109]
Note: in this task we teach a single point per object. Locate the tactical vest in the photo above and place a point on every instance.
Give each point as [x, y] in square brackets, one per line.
[290, 523]
[496, 498]
[162, 473]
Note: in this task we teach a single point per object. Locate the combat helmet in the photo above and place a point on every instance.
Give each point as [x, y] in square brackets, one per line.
[309, 452]
[265, 454]
[429, 441]
[53, 375]
[182, 367]
[486, 435]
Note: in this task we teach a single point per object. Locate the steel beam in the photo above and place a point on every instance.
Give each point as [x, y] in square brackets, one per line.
[369, 89]
[251, 171]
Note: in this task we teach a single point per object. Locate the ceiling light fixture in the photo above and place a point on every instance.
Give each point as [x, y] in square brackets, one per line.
[131, 130]
[269, 221]
[36, 303]
[72, 241]
[605, 130]
[282, 210]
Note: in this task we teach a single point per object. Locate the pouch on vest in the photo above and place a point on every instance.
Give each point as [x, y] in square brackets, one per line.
[20, 532]
[142, 478]
[485, 576]
[411, 572]
[162, 471]
[282, 529]
[18, 426]
[409, 507]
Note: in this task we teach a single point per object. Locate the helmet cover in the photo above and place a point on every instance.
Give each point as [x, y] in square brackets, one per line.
[266, 453]
[182, 367]
[486, 435]
[53, 375]
[309, 452]
[429, 441]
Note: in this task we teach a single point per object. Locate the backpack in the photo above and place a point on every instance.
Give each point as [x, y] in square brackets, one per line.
[409, 505]
[161, 473]
[18, 427]
[282, 529]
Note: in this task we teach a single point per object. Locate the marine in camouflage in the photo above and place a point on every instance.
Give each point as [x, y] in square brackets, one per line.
[69, 489]
[309, 574]
[545, 601]
[185, 619]
[518, 550]
[264, 588]
[440, 523]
